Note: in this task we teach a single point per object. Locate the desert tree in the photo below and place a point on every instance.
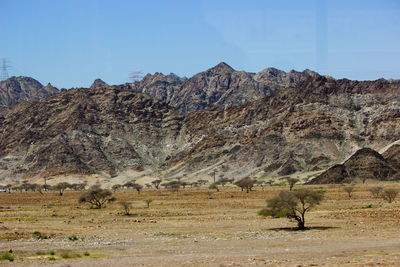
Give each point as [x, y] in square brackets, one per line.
[173, 186]
[60, 187]
[245, 183]
[8, 188]
[292, 182]
[116, 187]
[389, 194]
[137, 187]
[202, 182]
[213, 174]
[148, 202]
[96, 196]
[126, 206]
[375, 191]
[293, 205]
[156, 183]
[349, 190]
[214, 186]
[261, 184]
[223, 181]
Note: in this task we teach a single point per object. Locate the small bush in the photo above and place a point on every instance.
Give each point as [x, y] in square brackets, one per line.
[376, 191]
[126, 206]
[349, 190]
[73, 238]
[389, 194]
[148, 202]
[86, 253]
[68, 254]
[51, 259]
[52, 252]
[39, 235]
[6, 256]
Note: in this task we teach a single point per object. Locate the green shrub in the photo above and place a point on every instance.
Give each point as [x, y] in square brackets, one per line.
[73, 238]
[51, 259]
[6, 256]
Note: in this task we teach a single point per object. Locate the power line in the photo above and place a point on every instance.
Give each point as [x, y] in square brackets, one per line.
[4, 69]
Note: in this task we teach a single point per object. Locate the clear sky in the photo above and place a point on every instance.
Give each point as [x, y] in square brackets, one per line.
[71, 42]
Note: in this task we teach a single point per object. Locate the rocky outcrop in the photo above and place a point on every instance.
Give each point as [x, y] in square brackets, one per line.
[365, 164]
[98, 83]
[17, 89]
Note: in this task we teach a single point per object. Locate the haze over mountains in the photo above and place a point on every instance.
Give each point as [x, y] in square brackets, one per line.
[267, 124]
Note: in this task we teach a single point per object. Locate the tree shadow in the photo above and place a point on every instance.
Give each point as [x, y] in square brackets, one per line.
[295, 229]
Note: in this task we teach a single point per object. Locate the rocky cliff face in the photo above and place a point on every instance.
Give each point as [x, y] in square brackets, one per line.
[304, 124]
[17, 89]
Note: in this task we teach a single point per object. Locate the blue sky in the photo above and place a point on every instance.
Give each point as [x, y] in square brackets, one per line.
[72, 42]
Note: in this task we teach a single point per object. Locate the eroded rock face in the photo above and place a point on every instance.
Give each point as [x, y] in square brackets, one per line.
[17, 89]
[306, 123]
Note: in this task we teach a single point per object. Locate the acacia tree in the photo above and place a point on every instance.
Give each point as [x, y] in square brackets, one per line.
[293, 205]
[292, 182]
[97, 196]
[245, 183]
[61, 187]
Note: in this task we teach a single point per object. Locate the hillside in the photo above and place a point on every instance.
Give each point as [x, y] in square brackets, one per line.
[116, 133]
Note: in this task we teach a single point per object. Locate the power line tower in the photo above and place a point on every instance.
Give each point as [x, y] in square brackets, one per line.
[4, 69]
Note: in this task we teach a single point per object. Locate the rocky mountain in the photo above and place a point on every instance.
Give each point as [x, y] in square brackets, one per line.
[17, 89]
[221, 86]
[98, 83]
[363, 165]
[299, 128]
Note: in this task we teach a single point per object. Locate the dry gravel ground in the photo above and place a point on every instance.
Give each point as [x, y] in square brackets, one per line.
[189, 229]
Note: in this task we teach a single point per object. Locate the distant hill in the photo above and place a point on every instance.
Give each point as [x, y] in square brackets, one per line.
[365, 164]
[17, 89]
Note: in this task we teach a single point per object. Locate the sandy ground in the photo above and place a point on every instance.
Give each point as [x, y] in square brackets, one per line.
[189, 229]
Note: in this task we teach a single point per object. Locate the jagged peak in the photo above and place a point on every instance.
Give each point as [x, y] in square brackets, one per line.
[98, 83]
[271, 72]
[221, 67]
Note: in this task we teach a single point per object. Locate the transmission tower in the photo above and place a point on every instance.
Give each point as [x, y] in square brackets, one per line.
[4, 69]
